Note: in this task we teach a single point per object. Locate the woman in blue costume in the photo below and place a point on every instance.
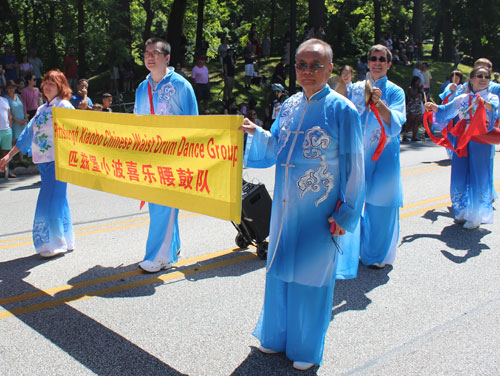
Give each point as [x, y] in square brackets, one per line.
[384, 196]
[52, 228]
[316, 145]
[454, 88]
[471, 187]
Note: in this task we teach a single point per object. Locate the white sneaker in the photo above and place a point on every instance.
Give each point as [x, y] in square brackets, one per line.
[469, 225]
[266, 351]
[302, 366]
[377, 265]
[154, 266]
[52, 253]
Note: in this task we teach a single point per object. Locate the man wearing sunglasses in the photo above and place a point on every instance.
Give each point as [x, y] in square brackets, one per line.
[163, 92]
[380, 220]
[316, 144]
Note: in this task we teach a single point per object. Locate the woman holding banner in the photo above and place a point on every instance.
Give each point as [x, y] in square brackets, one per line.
[471, 188]
[52, 227]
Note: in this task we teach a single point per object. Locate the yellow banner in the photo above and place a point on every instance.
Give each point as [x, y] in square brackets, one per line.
[192, 163]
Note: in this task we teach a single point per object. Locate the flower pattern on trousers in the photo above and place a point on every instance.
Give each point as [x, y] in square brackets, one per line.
[40, 233]
[316, 140]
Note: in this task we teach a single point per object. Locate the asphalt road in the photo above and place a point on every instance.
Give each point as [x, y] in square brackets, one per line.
[91, 311]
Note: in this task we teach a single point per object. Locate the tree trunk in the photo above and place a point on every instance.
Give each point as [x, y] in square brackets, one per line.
[82, 62]
[26, 28]
[9, 15]
[447, 31]
[317, 13]
[377, 21]
[199, 27]
[416, 24]
[149, 20]
[293, 43]
[174, 32]
[437, 37]
[50, 27]
[273, 18]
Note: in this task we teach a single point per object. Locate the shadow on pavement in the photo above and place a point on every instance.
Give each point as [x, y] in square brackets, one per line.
[93, 345]
[456, 238]
[350, 294]
[257, 363]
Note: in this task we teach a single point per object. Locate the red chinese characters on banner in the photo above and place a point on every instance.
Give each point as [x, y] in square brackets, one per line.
[166, 176]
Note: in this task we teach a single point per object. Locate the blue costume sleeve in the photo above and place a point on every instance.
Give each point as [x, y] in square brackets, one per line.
[260, 149]
[493, 115]
[445, 113]
[189, 101]
[352, 171]
[395, 98]
[26, 137]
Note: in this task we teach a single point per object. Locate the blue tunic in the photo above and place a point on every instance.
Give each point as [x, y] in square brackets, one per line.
[384, 193]
[316, 146]
[173, 95]
[471, 176]
[52, 226]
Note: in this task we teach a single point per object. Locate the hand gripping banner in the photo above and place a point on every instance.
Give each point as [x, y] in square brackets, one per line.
[192, 163]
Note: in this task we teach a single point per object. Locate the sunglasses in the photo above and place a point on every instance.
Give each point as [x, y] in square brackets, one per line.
[382, 59]
[480, 76]
[313, 67]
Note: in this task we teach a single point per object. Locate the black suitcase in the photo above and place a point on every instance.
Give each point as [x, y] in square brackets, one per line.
[255, 218]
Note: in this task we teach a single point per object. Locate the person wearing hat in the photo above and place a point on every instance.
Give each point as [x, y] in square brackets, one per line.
[228, 68]
[200, 78]
[273, 104]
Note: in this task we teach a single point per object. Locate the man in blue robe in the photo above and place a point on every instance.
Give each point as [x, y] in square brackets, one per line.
[316, 144]
[384, 195]
[163, 92]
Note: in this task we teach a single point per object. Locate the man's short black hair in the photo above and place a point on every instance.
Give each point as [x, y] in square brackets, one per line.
[107, 95]
[165, 46]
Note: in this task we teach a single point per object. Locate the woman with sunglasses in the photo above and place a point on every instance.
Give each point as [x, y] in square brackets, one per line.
[52, 228]
[471, 188]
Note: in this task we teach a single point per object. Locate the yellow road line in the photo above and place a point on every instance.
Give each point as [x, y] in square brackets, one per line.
[79, 231]
[97, 281]
[126, 286]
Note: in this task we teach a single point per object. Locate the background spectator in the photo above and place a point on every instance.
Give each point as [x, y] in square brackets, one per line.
[249, 57]
[228, 70]
[80, 100]
[201, 80]
[71, 68]
[31, 96]
[107, 100]
[37, 65]
[222, 51]
[25, 67]
[362, 68]
[279, 73]
[18, 114]
[414, 109]
[178, 70]
[10, 64]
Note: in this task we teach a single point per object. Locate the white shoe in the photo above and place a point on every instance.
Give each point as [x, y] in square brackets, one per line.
[52, 253]
[302, 366]
[377, 265]
[469, 225]
[266, 351]
[154, 266]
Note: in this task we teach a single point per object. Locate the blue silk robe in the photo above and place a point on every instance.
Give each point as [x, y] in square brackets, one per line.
[384, 193]
[316, 146]
[172, 96]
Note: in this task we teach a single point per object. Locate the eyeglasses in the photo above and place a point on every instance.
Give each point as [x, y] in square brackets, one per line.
[382, 59]
[480, 76]
[313, 67]
[153, 54]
